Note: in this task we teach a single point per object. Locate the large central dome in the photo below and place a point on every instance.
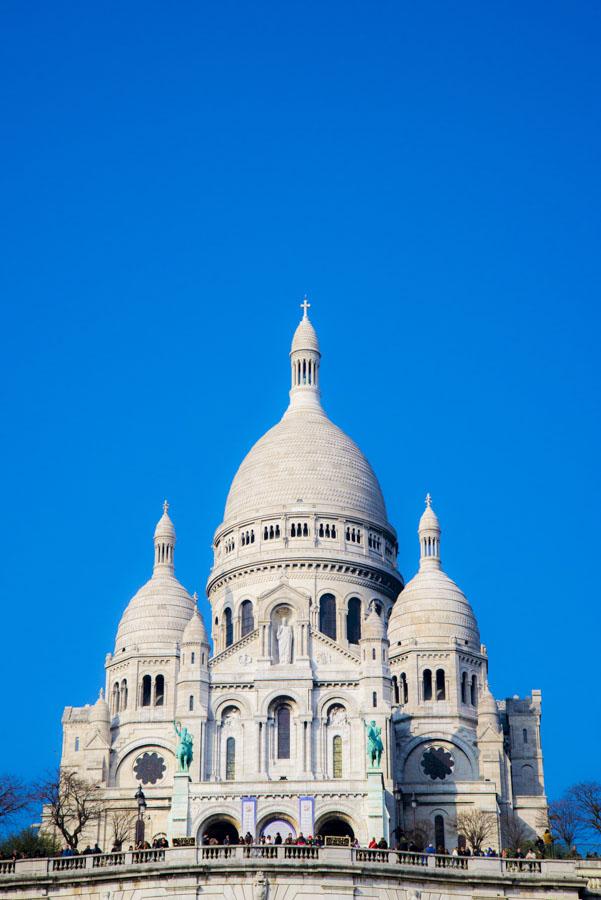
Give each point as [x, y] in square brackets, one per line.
[305, 460]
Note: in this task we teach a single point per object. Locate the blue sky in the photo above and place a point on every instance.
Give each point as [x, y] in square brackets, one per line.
[174, 178]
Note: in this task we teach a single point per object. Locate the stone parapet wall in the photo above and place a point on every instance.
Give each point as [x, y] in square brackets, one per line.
[269, 872]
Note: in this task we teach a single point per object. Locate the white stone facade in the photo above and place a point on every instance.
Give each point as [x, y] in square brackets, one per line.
[313, 636]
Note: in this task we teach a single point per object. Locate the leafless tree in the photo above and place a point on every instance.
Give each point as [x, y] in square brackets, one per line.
[477, 826]
[418, 834]
[515, 831]
[587, 798]
[123, 823]
[565, 820]
[15, 796]
[70, 802]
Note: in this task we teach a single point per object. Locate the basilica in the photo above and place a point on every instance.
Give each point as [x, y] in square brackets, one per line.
[315, 638]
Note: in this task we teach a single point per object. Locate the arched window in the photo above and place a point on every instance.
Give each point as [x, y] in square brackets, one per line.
[293, 530]
[123, 700]
[229, 628]
[327, 615]
[191, 703]
[373, 652]
[76, 746]
[464, 687]
[404, 689]
[353, 621]
[441, 691]
[146, 690]
[159, 690]
[192, 658]
[337, 756]
[283, 727]
[427, 684]
[247, 620]
[305, 530]
[439, 835]
[525, 735]
[116, 697]
[230, 759]
[474, 691]
[374, 699]
[395, 690]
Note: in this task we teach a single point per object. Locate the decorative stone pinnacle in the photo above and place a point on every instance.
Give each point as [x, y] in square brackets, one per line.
[165, 507]
[195, 597]
[428, 500]
[305, 306]
[101, 694]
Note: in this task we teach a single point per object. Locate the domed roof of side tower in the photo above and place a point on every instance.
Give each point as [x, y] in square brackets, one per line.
[195, 631]
[158, 614]
[305, 460]
[432, 609]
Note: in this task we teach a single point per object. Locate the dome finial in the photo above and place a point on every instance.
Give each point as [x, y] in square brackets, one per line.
[165, 507]
[428, 500]
[305, 305]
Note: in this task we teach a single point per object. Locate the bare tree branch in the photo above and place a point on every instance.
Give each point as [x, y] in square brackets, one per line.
[477, 826]
[515, 831]
[14, 796]
[587, 797]
[565, 820]
[123, 823]
[70, 802]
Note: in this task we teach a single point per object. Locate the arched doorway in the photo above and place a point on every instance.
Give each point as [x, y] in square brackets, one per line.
[217, 829]
[278, 825]
[335, 826]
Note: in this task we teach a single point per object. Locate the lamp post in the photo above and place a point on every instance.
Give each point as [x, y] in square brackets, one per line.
[141, 801]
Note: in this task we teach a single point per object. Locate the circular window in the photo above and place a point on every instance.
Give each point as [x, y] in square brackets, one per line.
[437, 763]
[149, 768]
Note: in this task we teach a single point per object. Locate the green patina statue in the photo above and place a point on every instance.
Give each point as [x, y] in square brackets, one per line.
[375, 747]
[183, 752]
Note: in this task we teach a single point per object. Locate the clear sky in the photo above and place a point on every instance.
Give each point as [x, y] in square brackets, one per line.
[174, 177]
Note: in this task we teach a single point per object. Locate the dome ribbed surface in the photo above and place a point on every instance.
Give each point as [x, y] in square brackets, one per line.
[156, 616]
[432, 608]
[305, 457]
[305, 337]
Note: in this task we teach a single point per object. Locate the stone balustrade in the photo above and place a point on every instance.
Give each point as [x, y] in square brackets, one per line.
[283, 854]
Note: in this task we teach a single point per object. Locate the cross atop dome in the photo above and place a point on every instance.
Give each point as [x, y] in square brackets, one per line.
[305, 305]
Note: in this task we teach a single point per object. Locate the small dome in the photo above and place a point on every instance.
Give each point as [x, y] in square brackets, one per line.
[432, 608]
[195, 631]
[165, 527]
[429, 520]
[487, 706]
[374, 626]
[157, 615]
[100, 711]
[305, 336]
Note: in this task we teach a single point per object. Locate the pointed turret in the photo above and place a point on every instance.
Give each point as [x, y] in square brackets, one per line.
[304, 363]
[164, 543]
[429, 537]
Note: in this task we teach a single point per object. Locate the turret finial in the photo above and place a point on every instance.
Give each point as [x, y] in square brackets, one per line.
[165, 506]
[305, 306]
[428, 500]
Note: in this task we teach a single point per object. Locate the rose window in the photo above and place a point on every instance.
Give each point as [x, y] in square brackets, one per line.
[437, 763]
[149, 768]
